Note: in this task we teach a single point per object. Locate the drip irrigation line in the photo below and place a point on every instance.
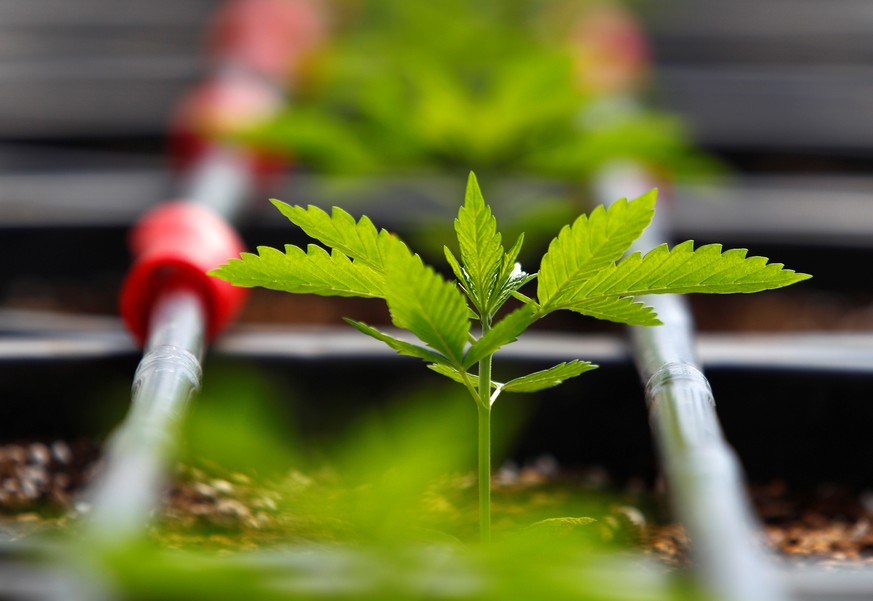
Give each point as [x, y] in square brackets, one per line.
[168, 301]
[168, 374]
[219, 181]
[175, 323]
[702, 472]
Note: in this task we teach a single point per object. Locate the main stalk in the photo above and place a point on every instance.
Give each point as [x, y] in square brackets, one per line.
[484, 407]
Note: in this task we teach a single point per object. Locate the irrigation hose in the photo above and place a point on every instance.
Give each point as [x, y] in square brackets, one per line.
[167, 301]
[166, 378]
[702, 472]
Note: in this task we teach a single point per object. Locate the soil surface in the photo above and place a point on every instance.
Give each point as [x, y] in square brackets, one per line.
[829, 524]
[780, 311]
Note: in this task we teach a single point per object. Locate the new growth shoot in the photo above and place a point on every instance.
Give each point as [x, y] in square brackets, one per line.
[455, 322]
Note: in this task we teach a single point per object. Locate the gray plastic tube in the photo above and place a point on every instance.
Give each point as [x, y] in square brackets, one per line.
[702, 472]
[136, 454]
[169, 373]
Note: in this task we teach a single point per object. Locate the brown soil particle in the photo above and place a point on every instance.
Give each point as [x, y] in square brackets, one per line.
[782, 311]
[828, 523]
[668, 544]
[204, 509]
[270, 306]
[43, 474]
[825, 525]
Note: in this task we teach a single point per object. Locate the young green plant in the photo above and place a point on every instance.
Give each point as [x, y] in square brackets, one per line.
[523, 87]
[582, 271]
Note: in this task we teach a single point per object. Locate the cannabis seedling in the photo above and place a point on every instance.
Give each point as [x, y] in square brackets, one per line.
[582, 271]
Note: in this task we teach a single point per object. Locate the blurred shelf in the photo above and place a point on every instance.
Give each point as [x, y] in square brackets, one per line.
[777, 107]
[817, 210]
[38, 335]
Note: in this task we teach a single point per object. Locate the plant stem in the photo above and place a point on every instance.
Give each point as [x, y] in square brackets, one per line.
[484, 406]
[485, 473]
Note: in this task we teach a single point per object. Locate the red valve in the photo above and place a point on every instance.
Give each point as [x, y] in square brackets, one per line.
[612, 54]
[218, 109]
[257, 46]
[270, 37]
[175, 245]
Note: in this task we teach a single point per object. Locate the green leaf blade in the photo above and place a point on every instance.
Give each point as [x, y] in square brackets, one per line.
[509, 285]
[421, 301]
[684, 270]
[618, 309]
[456, 267]
[480, 243]
[359, 240]
[401, 346]
[503, 332]
[455, 374]
[511, 257]
[548, 378]
[590, 244]
[313, 271]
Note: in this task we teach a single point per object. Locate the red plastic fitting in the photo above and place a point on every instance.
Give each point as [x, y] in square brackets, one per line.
[257, 47]
[174, 245]
[218, 109]
[270, 37]
[612, 53]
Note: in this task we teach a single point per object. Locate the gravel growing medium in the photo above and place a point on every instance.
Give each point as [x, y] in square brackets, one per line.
[825, 525]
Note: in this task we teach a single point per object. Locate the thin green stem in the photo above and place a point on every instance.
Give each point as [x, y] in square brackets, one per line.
[470, 388]
[484, 405]
[485, 473]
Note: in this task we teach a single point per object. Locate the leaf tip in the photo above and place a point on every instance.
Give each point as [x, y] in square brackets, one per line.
[473, 193]
[802, 276]
[279, 204]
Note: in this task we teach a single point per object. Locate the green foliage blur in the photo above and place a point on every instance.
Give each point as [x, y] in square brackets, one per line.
[509, 86]
[381, 508]
[548, 571]
[242, 422]
[400, 470]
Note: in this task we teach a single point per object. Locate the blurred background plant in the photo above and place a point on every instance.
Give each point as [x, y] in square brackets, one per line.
[521, 87]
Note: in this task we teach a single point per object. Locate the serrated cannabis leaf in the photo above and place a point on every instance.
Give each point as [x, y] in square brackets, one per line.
[548, 378]
[401, 346]
[618, 309]
[311, 272]
[455, 374]
[421, 301]
[680, 270]
[480, 244]
[591, 243]
[504, 331]
[509, 285]
[509, 260]
[463, 276]
[359, 240]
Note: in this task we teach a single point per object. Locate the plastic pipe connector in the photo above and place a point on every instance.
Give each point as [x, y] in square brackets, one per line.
[219, 109]
[270, 37]
[174, 245]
